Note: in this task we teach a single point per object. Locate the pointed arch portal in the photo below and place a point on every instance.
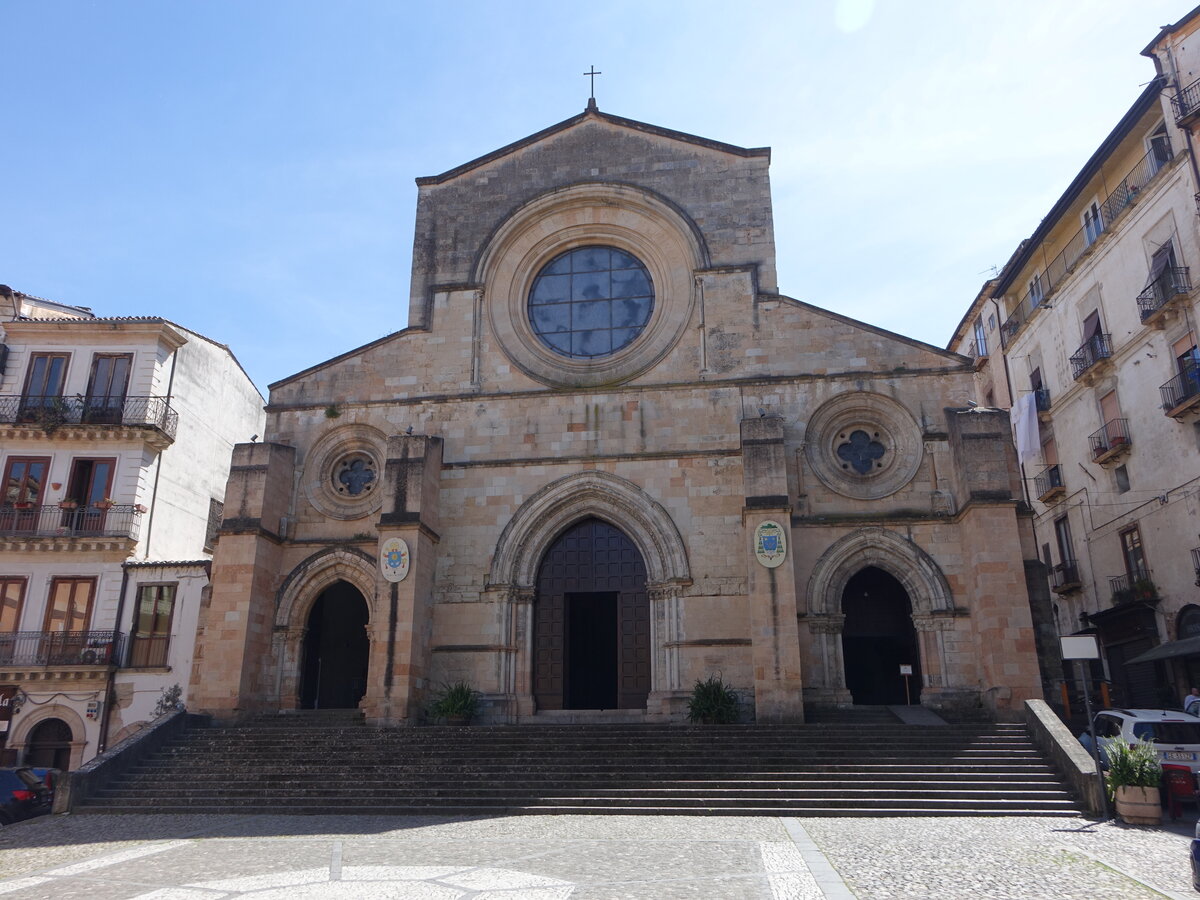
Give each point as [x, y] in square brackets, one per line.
[879, 638]
[335, 650]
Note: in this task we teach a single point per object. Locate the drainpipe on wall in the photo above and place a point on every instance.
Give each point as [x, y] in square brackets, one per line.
[113, 665]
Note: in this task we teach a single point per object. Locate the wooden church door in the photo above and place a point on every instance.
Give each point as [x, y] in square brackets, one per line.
[592, 622]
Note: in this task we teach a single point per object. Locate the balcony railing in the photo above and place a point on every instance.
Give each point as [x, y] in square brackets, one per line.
[1065, 577]
[1095, 349]
[1048, 483]
[53, 412]
[26, 520]
[1172, 283]
[1063, 264]
[1187, 102]
[977, 350]
[1041, 398]
[1196, 564]
[1182, 391]
[148, 652]
[59, 648]
[1111, 440]
[1123, 591]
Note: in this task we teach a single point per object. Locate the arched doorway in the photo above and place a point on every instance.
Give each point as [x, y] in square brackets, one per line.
[336, 649]
[49, 745]
[591, 622]
[879, 638]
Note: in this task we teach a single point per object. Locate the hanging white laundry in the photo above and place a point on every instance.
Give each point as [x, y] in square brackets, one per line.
[1023, 416]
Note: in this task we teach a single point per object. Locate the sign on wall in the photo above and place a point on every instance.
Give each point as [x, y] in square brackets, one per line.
[394, 559]
[770, 544]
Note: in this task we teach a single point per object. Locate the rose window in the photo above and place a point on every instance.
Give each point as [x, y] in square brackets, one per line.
[862, 452]
[354, 475]
[590, 302]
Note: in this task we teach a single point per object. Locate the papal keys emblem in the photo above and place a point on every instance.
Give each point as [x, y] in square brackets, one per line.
[770, 544]
[394, 559]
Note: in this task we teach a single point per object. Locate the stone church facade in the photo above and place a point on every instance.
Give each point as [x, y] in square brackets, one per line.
[608, 458]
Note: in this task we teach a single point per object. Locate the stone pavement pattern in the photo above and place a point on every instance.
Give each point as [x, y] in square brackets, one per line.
[158, 857]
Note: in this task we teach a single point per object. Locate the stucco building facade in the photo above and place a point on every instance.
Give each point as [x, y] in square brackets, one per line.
[607, 458]
[1089, 332]
[115, 438]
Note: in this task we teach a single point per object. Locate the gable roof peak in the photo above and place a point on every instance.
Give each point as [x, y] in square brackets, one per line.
[592, 112]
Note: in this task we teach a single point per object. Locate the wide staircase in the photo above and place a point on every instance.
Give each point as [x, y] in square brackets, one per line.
[334, 764]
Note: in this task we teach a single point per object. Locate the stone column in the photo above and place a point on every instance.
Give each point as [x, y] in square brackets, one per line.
[518, 663]
[398, 673]
[771, 591]
[666, 631]
[827, 641]
[234, 640]
[289, 649]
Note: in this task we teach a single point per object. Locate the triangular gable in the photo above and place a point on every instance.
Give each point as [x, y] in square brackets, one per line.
[593, 113]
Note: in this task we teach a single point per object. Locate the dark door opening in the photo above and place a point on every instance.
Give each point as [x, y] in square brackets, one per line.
[336, 650]
[592, 650]
[591, 640]
[49, 745]
[879, 638]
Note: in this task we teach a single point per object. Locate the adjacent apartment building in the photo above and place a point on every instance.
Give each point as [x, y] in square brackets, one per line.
[115, 441]
[1089, 333]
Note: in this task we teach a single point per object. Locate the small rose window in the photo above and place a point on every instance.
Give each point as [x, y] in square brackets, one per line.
[861, 451]
[354, 475]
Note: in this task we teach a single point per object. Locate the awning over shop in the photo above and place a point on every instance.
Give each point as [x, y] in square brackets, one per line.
[1169, 650]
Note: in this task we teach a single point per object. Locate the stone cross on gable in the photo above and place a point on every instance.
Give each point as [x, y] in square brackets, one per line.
[592, 73]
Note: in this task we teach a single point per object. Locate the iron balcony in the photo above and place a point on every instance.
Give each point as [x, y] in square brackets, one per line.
[1182, 392]
[1094, 351]
[59, 648]
[52, 412]
[1064, 577]
[1048, 483]
[1172, 283]
[63, 521]
[1111, 441]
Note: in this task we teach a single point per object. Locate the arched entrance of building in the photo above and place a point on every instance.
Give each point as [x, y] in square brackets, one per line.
[879, 638]
[49, 745]
[591, 638]
[333, 671]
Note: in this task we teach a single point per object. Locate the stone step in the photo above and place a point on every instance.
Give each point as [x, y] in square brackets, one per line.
[433, 776]
[588, 807]
[819, 770]
[913, 793]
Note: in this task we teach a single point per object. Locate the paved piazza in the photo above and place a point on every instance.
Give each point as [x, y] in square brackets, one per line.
[582, 857]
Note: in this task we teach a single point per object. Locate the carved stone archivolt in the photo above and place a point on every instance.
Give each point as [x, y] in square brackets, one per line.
[320, 571]
[561, 503]
[539, 522]
[915, 569]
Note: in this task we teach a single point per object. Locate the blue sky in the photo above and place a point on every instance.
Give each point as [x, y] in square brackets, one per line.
[246, 168]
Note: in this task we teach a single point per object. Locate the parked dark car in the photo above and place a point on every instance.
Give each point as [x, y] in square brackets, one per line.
[26, 792]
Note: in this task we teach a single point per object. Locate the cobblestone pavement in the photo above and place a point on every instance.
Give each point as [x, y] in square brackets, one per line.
[152, 857]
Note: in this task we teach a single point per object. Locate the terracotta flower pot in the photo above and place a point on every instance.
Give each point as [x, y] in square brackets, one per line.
[1139, 805]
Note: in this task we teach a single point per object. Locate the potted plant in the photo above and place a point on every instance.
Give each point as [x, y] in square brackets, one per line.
[1134, 774]
[713, 702]
[106, 503]
[69, 504]
[1145, 589]
[456, 704]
